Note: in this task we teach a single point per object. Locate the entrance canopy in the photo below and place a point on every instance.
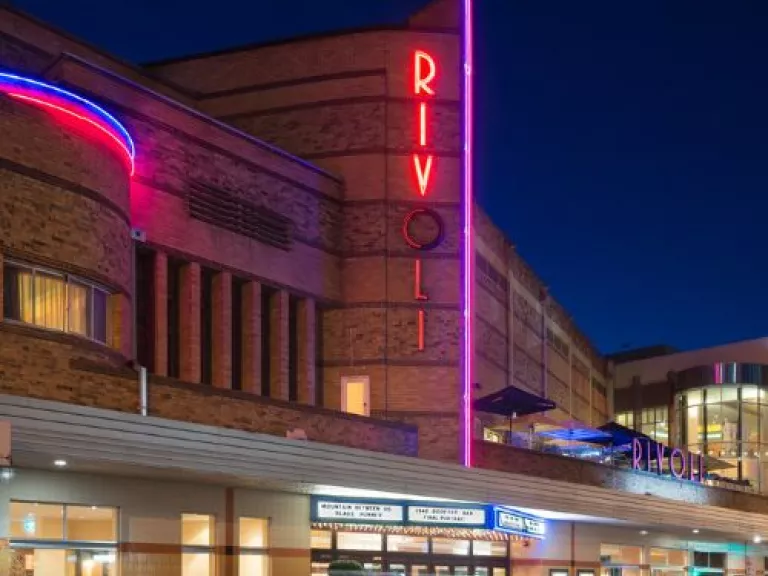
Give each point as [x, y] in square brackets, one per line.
[513, 401]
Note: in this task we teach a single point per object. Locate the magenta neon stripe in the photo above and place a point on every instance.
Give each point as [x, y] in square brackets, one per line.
[83, 118]
[468, 274]
[60, 101]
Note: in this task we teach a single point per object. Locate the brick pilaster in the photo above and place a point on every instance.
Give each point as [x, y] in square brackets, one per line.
[251, 338]
[119, 329]
[2, 267]
[161, 314]
[189, 323]
[222, 330]
[278, 345]
[305, 329]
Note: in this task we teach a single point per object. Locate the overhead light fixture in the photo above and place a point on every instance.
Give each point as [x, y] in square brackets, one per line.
[60, 463]
[644, 532]
[695, 530]
[757, 539]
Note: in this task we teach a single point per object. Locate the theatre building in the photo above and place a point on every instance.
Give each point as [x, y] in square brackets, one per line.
[253, 322]
[711, 400]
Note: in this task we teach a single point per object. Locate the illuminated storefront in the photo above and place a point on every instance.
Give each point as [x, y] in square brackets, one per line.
[418, 538]
[59, 539]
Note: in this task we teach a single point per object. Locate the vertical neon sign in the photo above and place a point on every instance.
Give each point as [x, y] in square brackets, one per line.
[424, 73]
[468, 256]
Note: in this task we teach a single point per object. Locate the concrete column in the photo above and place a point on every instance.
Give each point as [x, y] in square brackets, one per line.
[251, 338]
[222, 330]
[189, 323]
[278, 345]
[305, 329]
[161, 314]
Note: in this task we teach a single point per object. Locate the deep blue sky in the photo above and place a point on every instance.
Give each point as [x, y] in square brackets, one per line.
[621, 145]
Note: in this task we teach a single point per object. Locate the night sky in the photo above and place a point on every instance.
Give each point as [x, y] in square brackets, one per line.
[621, 145]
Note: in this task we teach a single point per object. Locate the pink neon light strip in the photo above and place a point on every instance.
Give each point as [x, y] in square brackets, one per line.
[467, 436]
[82, 118]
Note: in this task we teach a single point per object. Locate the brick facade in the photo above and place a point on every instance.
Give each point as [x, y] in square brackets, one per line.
[340, 298]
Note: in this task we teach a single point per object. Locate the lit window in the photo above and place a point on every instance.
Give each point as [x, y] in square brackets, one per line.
[36, 521]
[320, 539]
[54, 301]
[415, 544]
[91, 524]
[358, 541]
[33, 521]
[489, 548]
[197, 538]
[254, 540]
[448, 546]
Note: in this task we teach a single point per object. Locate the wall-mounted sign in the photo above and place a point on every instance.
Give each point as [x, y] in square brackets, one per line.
[447, 516]
[423, 90]
[681, 465]
[513, 522]
[341, 511]
[437, 514]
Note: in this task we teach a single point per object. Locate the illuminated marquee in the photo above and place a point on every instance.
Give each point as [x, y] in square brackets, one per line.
[424, 74]
[71, 107]
[679, 464]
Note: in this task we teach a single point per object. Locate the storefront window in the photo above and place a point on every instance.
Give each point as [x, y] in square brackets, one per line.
[402, 543]
[60, 539]
[654, 423]
[197, 539]
[91, 524]
[626, 419]
[730, 424]
[616, 555]
[358, 541]
[489, 548]
[254, 547]
[449, 546]
[321, 539]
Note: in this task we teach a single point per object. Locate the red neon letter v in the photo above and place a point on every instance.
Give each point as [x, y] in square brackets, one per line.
[422, 173]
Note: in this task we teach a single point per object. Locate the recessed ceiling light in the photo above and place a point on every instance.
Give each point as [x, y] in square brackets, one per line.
[60, 463]
[757, 539]
[695, 530]
[644, 532]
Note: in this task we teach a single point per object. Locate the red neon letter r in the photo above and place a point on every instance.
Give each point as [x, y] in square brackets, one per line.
[423, 78]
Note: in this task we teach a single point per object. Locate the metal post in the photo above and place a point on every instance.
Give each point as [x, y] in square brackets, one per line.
[143, 407]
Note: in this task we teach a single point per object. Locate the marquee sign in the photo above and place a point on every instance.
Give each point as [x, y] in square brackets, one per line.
[363, 512]
[447, 516]
[513, 522]
[426, 514]
[679, 464]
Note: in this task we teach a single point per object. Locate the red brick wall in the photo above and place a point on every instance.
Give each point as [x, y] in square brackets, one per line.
[66, 369]
[64, 204]
[351, 110]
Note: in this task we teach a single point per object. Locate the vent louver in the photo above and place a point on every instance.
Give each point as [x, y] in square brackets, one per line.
[225, 210]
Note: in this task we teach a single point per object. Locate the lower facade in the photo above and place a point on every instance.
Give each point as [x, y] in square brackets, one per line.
[59, 523]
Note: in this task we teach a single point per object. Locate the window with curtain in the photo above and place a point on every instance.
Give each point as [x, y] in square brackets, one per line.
[54, 301]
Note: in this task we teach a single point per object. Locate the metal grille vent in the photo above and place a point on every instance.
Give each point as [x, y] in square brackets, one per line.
[224, 210]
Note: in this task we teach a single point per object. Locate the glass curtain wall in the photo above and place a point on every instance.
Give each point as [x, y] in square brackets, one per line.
[730, 424]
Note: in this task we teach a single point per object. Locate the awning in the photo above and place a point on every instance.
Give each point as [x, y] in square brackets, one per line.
[587, 435]
[513, 401]
[622, 435]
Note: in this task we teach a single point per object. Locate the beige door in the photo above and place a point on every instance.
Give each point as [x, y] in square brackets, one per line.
[356, 395]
